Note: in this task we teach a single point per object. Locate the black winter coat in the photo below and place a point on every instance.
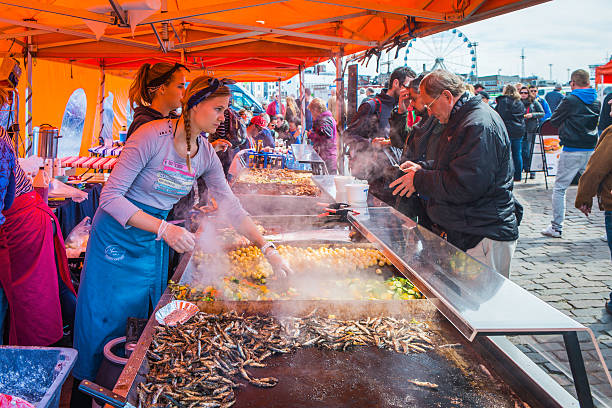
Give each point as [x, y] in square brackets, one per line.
[469, 185]
[367, 162]
[577, 122]
[512, 112]
[536, 109]
[421, 144]
[369, 123]
[604, 116]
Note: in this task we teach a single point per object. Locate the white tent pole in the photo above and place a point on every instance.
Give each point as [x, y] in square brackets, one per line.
[101, 96]
[302, 102]
[28, 103]
[340, 108]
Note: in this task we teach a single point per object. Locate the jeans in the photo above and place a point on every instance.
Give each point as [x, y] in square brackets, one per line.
[517, 158]
[4, 311]
[608, 218]
[527, 150]
[608, 221]
[570, 164]
[496, 254]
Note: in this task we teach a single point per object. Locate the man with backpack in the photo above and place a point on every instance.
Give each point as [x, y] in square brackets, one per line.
[372, 122]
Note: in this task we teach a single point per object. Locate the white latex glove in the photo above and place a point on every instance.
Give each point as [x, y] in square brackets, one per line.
[179, 239]
[279, 265]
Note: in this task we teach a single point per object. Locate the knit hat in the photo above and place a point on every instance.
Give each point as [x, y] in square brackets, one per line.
[259, 121]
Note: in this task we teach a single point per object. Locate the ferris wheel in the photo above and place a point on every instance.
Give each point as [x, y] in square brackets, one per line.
[449, 50]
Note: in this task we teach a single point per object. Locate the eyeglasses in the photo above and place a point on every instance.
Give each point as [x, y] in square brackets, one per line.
[533, 90]
[524, 93]
[428, 106]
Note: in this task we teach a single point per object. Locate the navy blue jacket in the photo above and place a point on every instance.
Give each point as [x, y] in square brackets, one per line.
[554, 98]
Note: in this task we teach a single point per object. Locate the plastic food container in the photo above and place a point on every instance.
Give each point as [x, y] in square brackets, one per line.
[341, 182]
[35, 374]
[188, 310]
[357, 194]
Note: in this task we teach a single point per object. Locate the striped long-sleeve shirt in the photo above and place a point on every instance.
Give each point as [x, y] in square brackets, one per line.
[22, 182]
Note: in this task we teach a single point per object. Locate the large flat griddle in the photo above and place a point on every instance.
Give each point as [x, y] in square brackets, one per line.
[366, 376]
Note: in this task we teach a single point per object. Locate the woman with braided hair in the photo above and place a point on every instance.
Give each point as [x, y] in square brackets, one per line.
[124, 272]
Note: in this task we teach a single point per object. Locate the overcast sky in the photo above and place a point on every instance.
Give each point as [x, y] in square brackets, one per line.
[567, 33]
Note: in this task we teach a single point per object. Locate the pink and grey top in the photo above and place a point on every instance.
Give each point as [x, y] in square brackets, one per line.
[151, 172]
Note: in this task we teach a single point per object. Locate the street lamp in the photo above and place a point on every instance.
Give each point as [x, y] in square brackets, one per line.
[550, 67]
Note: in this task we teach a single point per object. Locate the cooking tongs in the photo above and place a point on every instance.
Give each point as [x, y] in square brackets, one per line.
[339, 211]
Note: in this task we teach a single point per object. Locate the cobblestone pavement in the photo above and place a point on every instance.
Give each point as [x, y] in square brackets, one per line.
[573, 274]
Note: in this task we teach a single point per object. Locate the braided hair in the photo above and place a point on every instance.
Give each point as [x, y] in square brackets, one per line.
[196, 85]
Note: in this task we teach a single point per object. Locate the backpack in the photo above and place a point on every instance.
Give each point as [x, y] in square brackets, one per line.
[232, 129]
[376, 106]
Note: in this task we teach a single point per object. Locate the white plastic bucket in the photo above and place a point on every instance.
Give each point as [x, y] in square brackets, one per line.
[357, 194]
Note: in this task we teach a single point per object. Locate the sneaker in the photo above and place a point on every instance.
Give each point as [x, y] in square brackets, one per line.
[604, 238]
[532, 176]
[550, 231]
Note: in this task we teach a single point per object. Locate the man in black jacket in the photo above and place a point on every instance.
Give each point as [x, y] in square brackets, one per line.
[576, 117]
[469, 184]
[372, 122]
[420, 144]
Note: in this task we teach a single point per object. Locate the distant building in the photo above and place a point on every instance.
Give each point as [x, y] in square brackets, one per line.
[496, 83]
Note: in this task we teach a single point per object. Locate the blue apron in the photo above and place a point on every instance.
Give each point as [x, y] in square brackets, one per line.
[124, 273]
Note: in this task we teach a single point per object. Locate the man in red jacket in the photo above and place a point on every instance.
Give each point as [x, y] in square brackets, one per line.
[276, 107]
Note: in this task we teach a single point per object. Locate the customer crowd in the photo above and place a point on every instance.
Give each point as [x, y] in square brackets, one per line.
[437, 149]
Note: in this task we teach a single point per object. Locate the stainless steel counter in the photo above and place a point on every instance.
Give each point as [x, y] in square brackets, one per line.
[477, 301]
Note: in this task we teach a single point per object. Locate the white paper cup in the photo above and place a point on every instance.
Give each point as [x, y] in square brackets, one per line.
[357, 194]
[341, 182]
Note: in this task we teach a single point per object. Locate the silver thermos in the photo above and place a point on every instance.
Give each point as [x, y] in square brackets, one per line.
[48, 138]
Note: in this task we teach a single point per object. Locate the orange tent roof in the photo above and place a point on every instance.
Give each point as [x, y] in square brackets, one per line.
[249, 39]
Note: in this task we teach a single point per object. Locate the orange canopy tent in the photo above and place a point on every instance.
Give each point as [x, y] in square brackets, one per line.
[97, 44]
[603, 74]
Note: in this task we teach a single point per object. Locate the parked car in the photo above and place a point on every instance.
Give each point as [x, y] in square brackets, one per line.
[241, 98]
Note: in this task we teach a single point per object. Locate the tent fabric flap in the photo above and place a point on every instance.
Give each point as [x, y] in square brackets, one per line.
[247, 40]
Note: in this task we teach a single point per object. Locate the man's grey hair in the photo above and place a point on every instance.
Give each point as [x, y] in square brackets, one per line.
[558, 87]
[440, 80]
